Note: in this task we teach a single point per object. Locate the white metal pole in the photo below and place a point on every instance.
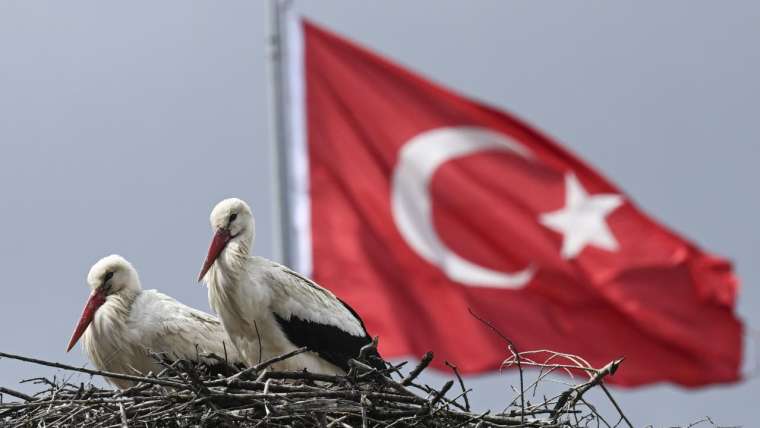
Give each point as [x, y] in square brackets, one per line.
[278, 127]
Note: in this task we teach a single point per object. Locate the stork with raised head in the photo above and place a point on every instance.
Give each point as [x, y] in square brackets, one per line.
[122, 324]
[266, 306]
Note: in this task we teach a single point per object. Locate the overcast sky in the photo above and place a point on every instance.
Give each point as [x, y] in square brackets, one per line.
[122, 123]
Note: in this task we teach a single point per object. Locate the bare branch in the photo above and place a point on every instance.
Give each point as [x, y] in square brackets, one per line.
[424, 362]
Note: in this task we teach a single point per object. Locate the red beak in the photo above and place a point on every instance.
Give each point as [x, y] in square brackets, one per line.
[97, 298]
[221, 238]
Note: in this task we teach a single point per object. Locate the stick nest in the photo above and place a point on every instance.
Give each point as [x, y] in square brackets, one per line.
[189, 393]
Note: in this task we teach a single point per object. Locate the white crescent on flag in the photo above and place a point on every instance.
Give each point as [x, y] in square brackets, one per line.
[418, 160]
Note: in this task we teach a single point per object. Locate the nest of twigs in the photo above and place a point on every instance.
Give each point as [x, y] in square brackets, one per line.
[186, 393]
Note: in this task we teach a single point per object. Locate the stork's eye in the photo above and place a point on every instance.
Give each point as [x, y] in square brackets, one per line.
[233, 216]
[108, 276]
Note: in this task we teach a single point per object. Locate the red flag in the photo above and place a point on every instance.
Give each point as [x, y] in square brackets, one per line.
[414, 204]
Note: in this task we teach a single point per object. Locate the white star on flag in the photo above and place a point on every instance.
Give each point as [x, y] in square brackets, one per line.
[582, 220]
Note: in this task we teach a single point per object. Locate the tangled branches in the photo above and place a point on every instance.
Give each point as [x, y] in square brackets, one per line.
[187, 393]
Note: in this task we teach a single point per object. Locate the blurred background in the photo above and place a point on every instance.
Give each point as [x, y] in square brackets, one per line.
[122, 124]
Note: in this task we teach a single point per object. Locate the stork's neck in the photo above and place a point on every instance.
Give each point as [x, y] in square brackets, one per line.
[123, 300]
[115, 311]
[233, 261]
[105, 340]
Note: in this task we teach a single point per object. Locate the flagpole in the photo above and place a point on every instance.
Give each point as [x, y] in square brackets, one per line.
[278, 127]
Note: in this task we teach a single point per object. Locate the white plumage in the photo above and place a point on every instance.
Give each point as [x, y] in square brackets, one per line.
[127, 323]
[268, 309]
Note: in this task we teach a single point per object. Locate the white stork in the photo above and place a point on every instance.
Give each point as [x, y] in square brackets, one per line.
[266, 306]
[122, 322]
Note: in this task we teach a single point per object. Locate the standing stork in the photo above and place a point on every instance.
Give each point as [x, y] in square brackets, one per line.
[268, 309]
[122, 323]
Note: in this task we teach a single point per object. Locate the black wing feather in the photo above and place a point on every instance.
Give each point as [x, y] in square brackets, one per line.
[331, 343]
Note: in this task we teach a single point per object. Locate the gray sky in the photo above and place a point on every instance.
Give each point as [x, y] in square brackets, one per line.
[122, 123]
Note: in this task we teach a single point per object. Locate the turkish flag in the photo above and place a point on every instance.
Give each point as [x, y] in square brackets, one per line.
[413, 204]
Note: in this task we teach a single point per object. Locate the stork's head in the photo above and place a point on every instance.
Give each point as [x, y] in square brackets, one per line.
[232, 222]
[112, 275]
